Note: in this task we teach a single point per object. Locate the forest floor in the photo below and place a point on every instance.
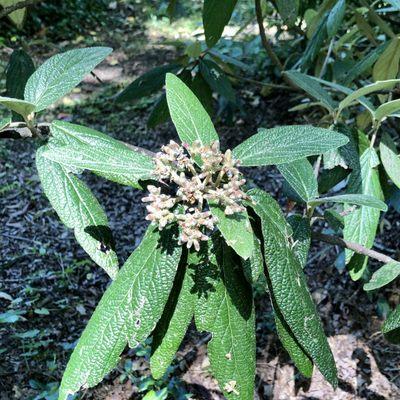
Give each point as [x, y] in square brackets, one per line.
[51, 287]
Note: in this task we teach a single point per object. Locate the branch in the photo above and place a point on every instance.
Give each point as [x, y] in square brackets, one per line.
[17, 6]
[357, 248]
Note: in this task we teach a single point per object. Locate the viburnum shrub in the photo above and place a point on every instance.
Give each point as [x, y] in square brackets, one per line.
[211, 236]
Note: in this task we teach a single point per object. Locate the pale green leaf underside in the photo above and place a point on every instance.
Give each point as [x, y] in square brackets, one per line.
[357, 199]
[287, 144]
[227, 312]
[384, 275]
[300, 176]
[289, 285]
[21, 107]
[4, 122]
[191, 120]
[60, 74]
[235, 229]
[128, 311]
[390, 158]
[386, 109]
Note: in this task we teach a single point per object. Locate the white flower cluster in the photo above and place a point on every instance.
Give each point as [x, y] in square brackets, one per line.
[194, 174]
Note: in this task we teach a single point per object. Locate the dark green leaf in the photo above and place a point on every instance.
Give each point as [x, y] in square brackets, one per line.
[384, 275]
[288, 10]
[390, 158]
[391, 326]
[254, 265]
[203, 92]
[4, 122]
[301, 237]
[160, 113]
[335, 18]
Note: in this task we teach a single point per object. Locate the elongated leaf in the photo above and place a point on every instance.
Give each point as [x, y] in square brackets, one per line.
[289, 285]
[373, 87]
[235, 229]
[191, 120]
[286, 144]
[300, 176]
[78, 209]
[60, 74]
[203, 92]
[147, 84]
[87, 148]
[160, 113]
[216, 15]
[19, 69]
[391, 326]
[253, 267]
[387, 66]
[288, 10]
[390, 158]
[360, 225]
[301, 237]
[335, 18]
[227, 312]
[357, 199]
[4, 122]
[128, 310]
[217, 79]
[21, 107]
[175, 320]
[312, 87]
[386, 109]
[384, 275]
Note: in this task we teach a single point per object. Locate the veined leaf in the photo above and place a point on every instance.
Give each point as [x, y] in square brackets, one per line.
[386, 110]
[4, 122]
[335, 18]
[288, 10]
[78, 209]
[387, 66]
[253, 267]
[300, 176]
[87, 148]
[301, 237]
[227, 312]
[373, 87]
[390, 158]
[357, 199]
[235, 229]
[289, 285]
[361, 224]
[21, 107]
[191, 120]
[147, 84]
[384, 275]
[60, 74]
[286, 144]
[176, 318]
[216, 15]
[217, 79]
[128, 311]
[391, 326]
[312, 87]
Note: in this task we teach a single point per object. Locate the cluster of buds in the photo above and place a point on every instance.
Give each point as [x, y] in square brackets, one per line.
[194, 174]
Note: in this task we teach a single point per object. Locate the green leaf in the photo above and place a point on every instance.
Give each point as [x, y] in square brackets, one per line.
[175, 320]
[329, 178]
[335, 18]
[254, 265]
[390, 158]
[387, 66]
[17, 17]
[203, 92]
[386, 274]
[160, 113]
[312, 87]
[373, 87]
[191, 120]
[227, 312]
[288, 10]
[21, 107]
[216, 15]
[78, 209]
[286, 144]
[301, 237]
[357, 199]
[361, 224]
[4, 122]
[289, 285]
[60, 74]
[87, 148]
[391, 326]
[128, 311]
[235, 229]
[386, 110]
[147, 84]
[217, 79]
[300, 176]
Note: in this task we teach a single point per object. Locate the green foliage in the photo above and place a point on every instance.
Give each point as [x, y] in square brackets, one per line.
[384, 275]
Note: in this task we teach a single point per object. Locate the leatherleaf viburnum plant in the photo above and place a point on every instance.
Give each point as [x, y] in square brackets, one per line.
[212, 235]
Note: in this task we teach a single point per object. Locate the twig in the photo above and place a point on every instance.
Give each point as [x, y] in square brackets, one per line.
[357, 248]
[17, 6]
